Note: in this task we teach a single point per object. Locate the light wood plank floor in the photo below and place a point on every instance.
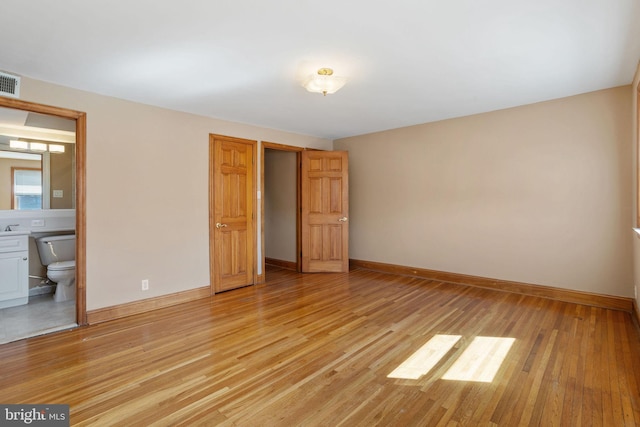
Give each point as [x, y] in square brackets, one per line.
[316, 350]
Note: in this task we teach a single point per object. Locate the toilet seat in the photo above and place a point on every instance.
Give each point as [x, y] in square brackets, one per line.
[62, 265]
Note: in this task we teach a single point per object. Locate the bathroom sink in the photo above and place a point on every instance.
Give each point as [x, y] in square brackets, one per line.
[13, 233]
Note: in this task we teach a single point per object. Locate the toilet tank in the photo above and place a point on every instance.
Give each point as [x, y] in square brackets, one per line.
[56, 248]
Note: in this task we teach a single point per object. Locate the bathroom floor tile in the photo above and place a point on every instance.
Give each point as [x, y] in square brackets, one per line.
[41, 315]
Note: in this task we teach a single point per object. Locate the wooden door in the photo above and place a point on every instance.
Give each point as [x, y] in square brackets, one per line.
[325, 211]
[231, 212]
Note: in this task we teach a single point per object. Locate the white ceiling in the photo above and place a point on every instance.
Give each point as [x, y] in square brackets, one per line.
[407, 61]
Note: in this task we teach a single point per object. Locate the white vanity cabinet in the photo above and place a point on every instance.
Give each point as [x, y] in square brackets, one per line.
[14, 268]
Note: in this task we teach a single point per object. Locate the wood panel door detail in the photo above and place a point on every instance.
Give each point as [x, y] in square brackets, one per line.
[325, 211]
[232, 236]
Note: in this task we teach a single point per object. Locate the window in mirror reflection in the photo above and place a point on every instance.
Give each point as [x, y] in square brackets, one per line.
[26, 189]
[14, 186]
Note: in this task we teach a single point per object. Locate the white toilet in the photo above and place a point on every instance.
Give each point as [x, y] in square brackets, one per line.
[58, 254]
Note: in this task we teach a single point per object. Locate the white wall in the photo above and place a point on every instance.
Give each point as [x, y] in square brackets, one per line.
[147, 191]
[538, 194]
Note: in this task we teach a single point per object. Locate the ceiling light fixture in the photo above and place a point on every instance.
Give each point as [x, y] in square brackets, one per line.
[324, 82]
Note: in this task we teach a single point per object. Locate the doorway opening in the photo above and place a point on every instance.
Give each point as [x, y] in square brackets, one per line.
[280, 182]
[32, 206]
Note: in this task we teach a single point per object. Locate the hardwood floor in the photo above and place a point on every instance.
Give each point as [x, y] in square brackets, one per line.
[317, 349]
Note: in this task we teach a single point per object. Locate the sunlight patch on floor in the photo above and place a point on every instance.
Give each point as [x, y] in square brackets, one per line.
[481, 360]
[423, 360]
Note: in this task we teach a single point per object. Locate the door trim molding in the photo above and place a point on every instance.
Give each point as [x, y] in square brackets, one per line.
[81, 138]
[281, 147]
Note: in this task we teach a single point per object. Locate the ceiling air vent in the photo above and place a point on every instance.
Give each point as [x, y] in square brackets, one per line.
[9, 85]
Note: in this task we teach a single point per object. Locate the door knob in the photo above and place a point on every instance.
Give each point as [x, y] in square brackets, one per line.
[343, 219]
[218, 225]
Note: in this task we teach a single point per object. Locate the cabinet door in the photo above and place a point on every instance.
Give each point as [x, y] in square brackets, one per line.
[14, 276]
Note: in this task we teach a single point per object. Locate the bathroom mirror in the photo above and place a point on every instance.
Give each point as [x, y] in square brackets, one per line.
[37, 161]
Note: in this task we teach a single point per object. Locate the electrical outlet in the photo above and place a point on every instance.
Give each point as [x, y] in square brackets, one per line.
[145, 285]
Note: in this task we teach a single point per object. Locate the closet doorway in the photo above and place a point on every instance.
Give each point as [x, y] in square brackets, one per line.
[280, 182]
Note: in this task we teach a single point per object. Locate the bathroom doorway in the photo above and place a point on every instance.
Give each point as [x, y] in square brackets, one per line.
[45, 195]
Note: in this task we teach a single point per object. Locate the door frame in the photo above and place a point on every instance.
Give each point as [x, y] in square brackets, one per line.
[212, 219]
[281, 147]
[81, 156]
